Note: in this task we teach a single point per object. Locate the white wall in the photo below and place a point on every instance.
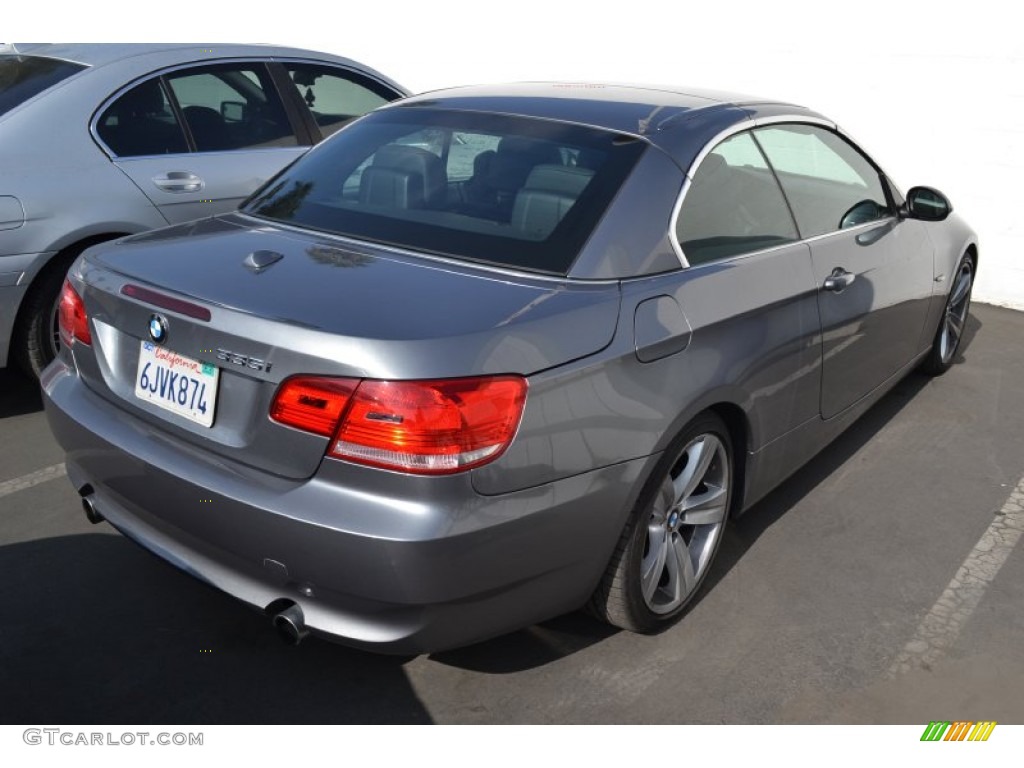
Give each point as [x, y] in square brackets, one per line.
[934, 90]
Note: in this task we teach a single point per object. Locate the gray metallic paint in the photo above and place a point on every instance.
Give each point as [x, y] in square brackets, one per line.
[616, 368]
[362, 539]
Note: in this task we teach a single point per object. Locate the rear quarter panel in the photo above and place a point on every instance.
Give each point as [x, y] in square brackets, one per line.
[755, 344]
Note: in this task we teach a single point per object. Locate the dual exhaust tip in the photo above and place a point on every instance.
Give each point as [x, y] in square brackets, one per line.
[287, 615]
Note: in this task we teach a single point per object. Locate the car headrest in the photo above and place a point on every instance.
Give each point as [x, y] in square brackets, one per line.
[559, 179]
[418, 162]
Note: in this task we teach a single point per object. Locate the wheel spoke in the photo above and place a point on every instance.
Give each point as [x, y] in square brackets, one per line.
[699, 457]
[654, 564]
[955, 325]
[963, 287]
[706, 509]
[681, 578]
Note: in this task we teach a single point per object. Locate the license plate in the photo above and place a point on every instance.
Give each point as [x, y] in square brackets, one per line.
[177, 383]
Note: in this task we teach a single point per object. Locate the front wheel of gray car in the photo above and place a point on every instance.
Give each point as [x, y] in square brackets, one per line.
[950, 332]
[671, 539]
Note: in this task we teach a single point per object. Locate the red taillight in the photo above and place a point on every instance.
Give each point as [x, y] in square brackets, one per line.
[312, 403]
[431, 427]
[73, 322]
[421, 427]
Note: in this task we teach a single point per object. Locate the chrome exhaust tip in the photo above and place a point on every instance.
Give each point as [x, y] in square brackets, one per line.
[91, 513]
[290, 625]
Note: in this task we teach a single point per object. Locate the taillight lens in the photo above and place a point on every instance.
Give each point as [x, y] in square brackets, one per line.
[71, 317]
[431, 427]
[421, 427]
[312, 403]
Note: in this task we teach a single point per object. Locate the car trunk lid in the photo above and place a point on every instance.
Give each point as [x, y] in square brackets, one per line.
[261, 303]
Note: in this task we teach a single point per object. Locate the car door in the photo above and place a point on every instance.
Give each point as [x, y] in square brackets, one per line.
[748, 293]
[200, 139]
[873, 270]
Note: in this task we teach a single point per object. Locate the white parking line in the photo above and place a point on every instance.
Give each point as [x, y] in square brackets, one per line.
[940, 627]
[33, 478]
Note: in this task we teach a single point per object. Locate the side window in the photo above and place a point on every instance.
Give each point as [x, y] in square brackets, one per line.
[333, 97]
[829, 183]
[231, 106]
[142, 122]
[733, 206]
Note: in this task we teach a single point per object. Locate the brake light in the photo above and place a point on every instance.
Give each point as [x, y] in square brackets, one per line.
[312, 403]
[431, 427]
[422, 427]
[71, 317]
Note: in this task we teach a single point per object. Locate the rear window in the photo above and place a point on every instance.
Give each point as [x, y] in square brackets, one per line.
[498, 189]
[22, 77]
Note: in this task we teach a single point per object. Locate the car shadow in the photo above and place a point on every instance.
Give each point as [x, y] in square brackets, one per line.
[531, 647]
[744, 531]
[19, 394]
[121, 637]
[561, 637]
[96, 630]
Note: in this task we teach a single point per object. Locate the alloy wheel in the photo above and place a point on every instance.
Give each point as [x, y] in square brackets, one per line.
[685, 524]
[956, 312]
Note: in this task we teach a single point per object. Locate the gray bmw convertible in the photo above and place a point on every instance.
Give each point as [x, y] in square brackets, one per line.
[493, 354]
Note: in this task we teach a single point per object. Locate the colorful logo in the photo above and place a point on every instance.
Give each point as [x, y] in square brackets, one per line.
[960, 730]
[158, 328]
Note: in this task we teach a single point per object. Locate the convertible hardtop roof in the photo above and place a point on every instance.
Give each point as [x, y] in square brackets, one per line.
[679, 120]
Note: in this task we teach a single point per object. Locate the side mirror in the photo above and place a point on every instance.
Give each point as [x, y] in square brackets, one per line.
[928, 204]
[861, 213]
[232, 111]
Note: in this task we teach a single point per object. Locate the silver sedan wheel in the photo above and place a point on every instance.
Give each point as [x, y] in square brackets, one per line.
[686, 522]
[956, 312]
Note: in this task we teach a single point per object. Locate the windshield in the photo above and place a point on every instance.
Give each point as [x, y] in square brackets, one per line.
[499, 189]
[22, 77]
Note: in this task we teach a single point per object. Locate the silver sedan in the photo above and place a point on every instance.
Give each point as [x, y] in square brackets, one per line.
[99, 141]
[493, 354]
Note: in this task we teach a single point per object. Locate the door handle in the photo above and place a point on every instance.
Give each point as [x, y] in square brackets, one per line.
[179, 181]
[838, 280]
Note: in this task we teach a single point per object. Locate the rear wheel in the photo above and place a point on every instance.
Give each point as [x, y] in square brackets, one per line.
[38, 339]
[954, 318]
[670, 541]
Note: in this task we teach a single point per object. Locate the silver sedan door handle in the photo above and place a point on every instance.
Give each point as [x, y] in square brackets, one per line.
[179, 181]
[838, 280]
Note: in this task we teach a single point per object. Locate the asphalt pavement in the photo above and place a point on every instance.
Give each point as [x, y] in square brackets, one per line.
[883, 583]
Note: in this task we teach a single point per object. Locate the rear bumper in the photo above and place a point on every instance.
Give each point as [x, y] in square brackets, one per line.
[375, 559]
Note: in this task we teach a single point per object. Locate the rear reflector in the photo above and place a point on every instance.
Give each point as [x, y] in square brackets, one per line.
[421, 427]
[71, 317]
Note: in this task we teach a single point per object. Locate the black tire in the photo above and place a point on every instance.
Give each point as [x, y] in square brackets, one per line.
[636, 592]
[35, 340]
[953, 320]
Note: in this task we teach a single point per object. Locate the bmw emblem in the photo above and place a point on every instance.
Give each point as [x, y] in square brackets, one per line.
[158, 328]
